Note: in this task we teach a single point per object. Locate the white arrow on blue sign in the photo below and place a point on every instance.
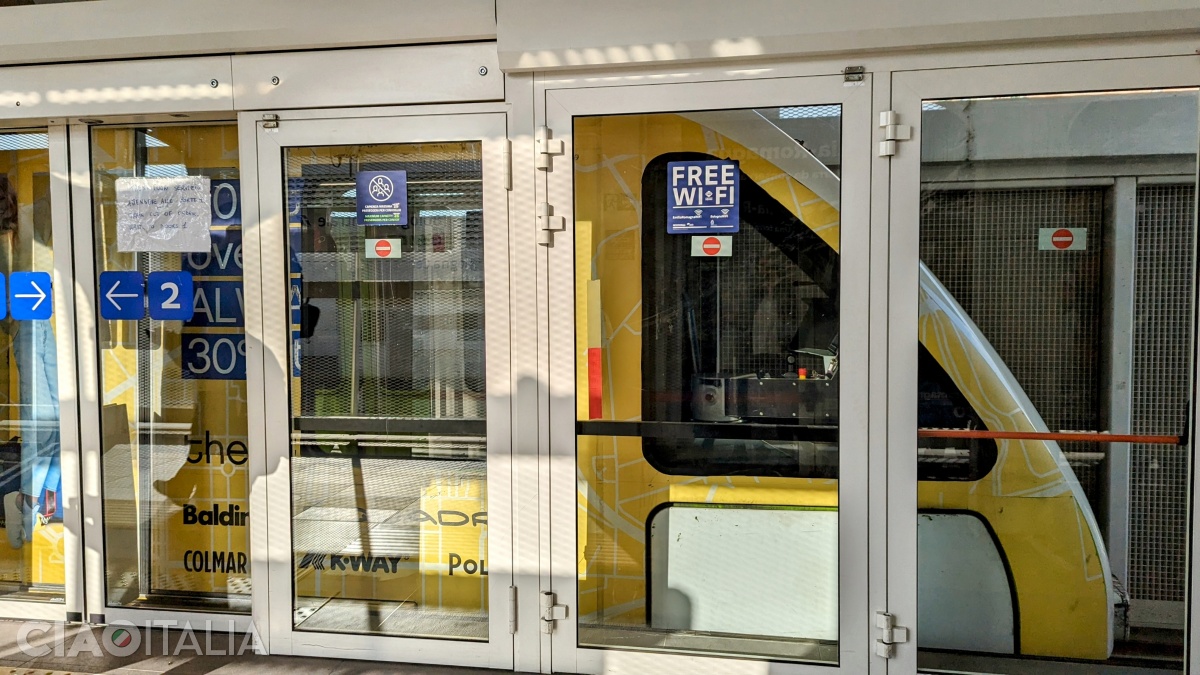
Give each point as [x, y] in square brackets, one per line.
[171, 296]
[122, 295]
[30, 297]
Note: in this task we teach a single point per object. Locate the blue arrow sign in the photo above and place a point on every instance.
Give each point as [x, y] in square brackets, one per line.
[171, 296]
[30, 297]
[122, 295]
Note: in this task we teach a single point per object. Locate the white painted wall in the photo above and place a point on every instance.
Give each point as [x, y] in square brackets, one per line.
[545, 34]
[115, 29]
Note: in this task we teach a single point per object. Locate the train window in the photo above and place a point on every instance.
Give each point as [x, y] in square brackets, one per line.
[941, 405]
[751, 339]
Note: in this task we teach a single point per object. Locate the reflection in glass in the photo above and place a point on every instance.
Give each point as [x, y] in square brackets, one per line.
[389, 480]
[175, 448]
[1057, 268]
[708, 382]
[31, 562]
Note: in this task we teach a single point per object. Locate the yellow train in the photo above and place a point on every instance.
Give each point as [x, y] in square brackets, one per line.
[1011, 559]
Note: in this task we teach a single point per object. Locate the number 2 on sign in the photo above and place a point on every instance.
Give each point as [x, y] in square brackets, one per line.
[171, 296]
[172, 301]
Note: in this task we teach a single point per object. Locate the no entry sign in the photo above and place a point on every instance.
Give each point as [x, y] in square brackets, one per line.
[712, 247]
[382, 248]
[1062, 239]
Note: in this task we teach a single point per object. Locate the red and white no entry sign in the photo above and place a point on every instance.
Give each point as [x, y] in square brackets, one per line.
[1062, 239]
[382, 248]
[712, 246]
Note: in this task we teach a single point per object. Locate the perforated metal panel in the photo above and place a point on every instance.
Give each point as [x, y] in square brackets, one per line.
[1041, 310]
[418, 343]
[1161, 341]
[982, 245]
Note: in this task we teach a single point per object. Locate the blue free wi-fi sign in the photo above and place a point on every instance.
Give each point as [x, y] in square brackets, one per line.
[702, 197]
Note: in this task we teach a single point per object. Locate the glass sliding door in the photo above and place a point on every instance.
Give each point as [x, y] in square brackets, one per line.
[33, 561]
[171, 331]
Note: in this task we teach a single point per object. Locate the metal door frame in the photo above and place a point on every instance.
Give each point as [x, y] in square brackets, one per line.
[556, 105]
[908, 90]
[268, 357]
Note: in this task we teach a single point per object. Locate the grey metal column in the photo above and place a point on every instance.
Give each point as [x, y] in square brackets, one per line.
[1120, 257]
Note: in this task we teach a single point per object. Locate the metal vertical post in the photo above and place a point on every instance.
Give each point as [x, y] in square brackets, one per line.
[145, 420]
[1120, 257]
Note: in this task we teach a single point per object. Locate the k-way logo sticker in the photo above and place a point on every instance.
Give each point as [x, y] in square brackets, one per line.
[352, 563]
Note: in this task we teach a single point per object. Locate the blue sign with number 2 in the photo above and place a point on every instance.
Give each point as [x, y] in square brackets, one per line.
[171, 296]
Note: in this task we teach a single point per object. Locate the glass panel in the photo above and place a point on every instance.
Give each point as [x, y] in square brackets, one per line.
[1056, 295]
[31, 565]
[389, 473]
[707, 311]
[175, 454]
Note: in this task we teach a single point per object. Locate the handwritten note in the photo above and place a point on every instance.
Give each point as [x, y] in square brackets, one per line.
[164, 214]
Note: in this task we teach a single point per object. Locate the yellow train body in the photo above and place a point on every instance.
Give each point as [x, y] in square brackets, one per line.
[1030, 499]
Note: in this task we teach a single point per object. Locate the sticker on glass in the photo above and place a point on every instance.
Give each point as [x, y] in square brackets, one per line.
[382, 198]
[702, 197]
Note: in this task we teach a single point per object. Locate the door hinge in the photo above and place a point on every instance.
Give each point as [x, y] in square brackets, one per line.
[270, 121]
[893, 131]
[890, 635]
[507, 149]
[512, 610]
[548, 224]
[854, 73]
[546, 148]
[551, 611]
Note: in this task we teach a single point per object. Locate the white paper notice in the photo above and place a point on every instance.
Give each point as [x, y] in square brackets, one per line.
[164, 214]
